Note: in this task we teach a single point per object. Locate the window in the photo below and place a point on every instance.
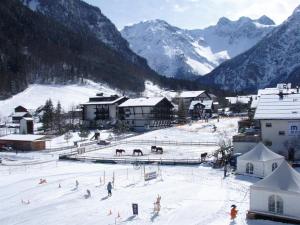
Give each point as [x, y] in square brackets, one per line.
[268, 124]
[274, 166]
[281, 132]
[249, 168]
[275, 204]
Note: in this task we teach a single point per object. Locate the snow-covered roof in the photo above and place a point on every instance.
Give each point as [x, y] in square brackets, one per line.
[284, 178]
[22, 137]
[103, 102]
[272, 107]
[260, 153]
[240, 99]
[275, 91]
[141, 102]
[207, 104]
[19, 114]
[190, 94]
[26, 118]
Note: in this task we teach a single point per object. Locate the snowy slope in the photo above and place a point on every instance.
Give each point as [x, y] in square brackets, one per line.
[175, 52]
[274, 59]
[36, 95]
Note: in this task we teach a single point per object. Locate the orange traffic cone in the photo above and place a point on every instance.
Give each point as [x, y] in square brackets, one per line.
[109, 213]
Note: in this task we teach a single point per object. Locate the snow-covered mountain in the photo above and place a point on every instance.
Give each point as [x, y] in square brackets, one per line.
[175, 52]
[276, 58]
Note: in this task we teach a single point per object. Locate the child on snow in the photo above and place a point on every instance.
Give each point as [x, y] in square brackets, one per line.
[233, 212]
[109, 187]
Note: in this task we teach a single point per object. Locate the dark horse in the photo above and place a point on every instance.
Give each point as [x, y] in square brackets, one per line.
[120, 151]
[138, 151]
[203, 156]
[157, 149]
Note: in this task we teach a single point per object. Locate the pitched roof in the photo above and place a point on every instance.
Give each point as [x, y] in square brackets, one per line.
[190, 94]
[272, 107]
[260, 153]
[104, 102]
[141, 102]
[284, 178]
[20, 114]
[22, 137]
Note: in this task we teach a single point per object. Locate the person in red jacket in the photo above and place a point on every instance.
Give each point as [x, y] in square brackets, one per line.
[233, 212]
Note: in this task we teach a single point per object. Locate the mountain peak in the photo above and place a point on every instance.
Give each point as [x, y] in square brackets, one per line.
[265, 20]
[224, 21]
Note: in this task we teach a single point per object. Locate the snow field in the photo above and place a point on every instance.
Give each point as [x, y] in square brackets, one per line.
[190, 195]
[198, 131]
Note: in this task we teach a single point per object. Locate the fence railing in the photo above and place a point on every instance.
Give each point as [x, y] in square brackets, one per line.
[137, 160]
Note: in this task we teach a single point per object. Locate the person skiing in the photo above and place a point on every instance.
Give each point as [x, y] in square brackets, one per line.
[109, 187]
[233, 212]
[77, 184]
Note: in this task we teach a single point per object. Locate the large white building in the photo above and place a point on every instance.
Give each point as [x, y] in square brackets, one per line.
[279, 117]
[147, 113]
[102, 108]
[278, 195]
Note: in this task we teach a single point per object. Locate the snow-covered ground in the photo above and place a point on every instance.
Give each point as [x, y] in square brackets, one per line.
[68, 95]
[182, 139]
[189, 195]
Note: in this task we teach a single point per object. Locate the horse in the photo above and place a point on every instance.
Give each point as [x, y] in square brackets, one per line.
[138, 151]
[120, 151]
[203, 156]
[153, 148]
[159, 149]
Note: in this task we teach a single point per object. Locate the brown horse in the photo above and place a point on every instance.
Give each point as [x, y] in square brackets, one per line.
[203, 156]
[138, 151]
[120, 151]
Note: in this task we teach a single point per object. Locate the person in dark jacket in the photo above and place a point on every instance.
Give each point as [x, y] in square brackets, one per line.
[109, 187]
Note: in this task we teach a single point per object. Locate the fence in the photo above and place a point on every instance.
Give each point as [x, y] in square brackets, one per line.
[118, 160]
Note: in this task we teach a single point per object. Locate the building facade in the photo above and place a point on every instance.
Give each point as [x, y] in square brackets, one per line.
[102, 109]
[146, 113]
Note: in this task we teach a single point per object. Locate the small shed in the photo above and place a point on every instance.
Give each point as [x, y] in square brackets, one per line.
[278, 195]
[24, 142]
[258, 162]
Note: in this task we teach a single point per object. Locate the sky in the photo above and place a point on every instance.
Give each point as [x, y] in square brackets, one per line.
[192, 14]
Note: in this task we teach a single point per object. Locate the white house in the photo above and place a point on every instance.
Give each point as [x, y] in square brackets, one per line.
[201, 109]
[146, 113]
[188, 96]
[277, 195]
[102, 108]
[259, 162]
[279, 117]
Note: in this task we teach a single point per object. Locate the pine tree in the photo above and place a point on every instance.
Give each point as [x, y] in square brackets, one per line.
[48, 116]
[58, 114]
